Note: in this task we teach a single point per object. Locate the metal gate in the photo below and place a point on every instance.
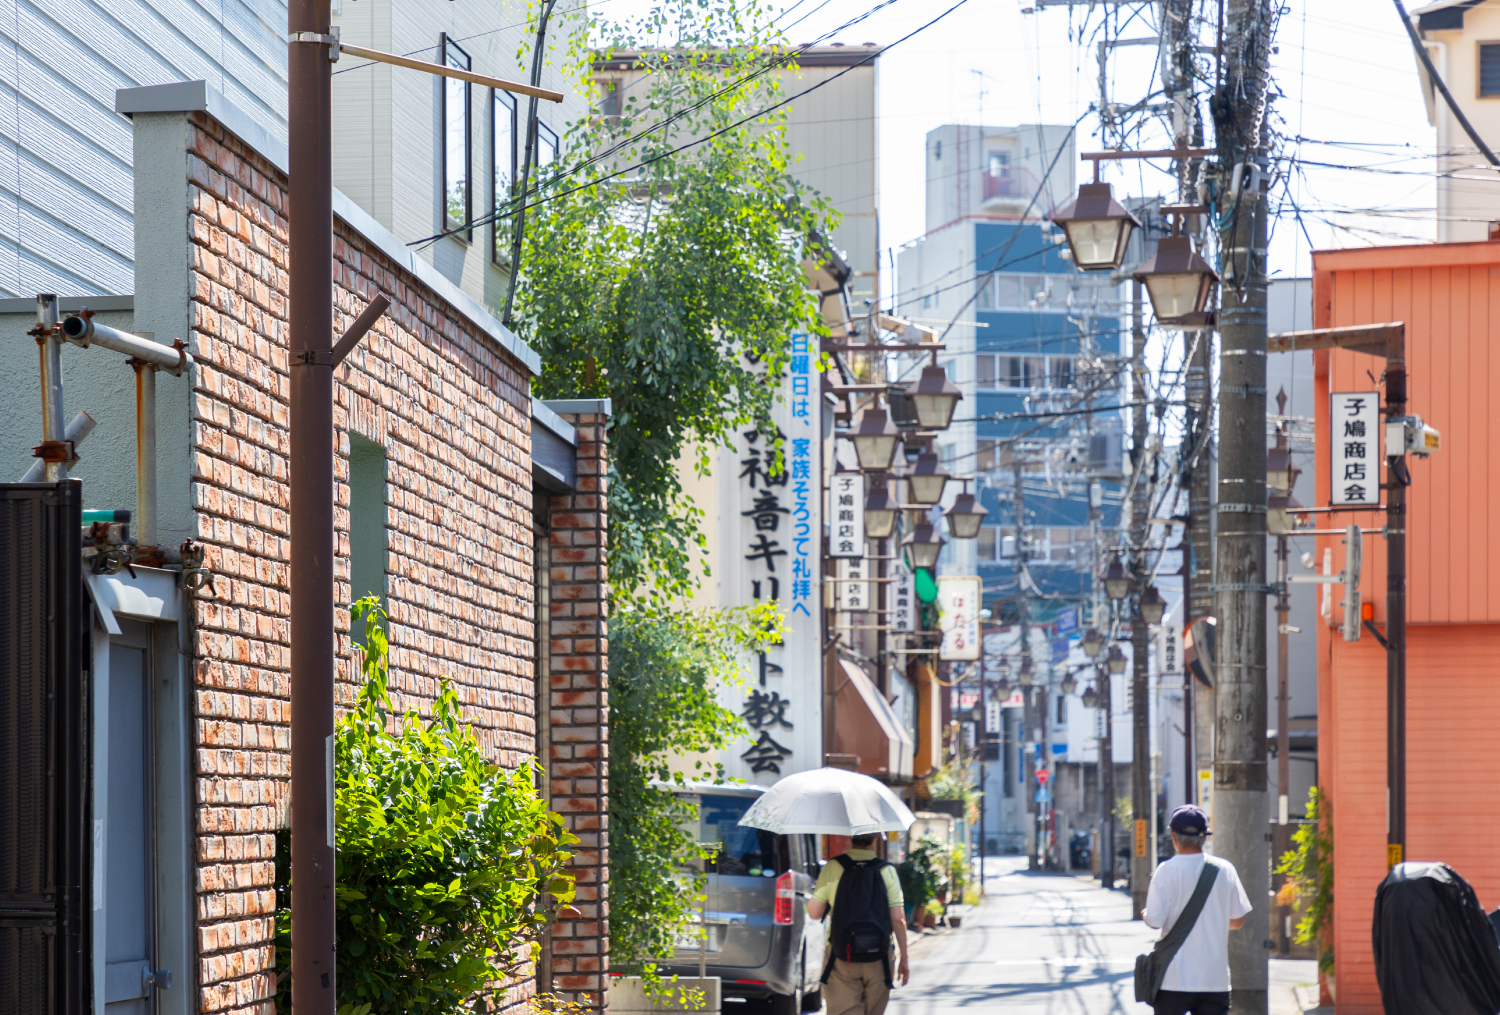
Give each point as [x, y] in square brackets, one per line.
[44, 753]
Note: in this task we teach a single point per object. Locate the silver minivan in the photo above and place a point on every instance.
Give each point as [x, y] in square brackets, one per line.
[760, 942]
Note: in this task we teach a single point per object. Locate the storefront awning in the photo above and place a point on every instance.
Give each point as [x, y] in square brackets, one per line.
[866, 726]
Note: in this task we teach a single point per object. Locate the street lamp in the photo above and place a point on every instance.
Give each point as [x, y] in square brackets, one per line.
[924, 545]
[1116, 581]
[1152, 605]
[1091, 698]
[880, 509]
[1178, 281]
[874, 440]
[1024, 675]
[1093, 643]
[965, 516]
[933, 398]
[927, 479]
[1097, 227]
[1115, 660]
[1069, 683]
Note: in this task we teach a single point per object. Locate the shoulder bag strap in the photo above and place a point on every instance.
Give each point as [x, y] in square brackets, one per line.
[1167, 947]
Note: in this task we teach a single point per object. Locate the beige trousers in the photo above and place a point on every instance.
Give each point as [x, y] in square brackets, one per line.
[856, 988]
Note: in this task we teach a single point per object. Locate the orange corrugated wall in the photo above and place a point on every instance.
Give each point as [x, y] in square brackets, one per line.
[1447, 296]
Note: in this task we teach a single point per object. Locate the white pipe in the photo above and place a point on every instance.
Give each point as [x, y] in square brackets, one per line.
[145, 453]
[82, 331]
[1441, 113]
[83, 424]
[52, 404]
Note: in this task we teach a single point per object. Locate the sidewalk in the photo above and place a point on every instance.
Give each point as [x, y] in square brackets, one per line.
[1045, 943]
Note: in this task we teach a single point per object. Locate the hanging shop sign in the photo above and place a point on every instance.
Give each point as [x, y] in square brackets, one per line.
[958, 615]
[846, 515]
[1354, 447]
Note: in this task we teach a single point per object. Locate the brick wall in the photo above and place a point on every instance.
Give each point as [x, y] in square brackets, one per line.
[452, 410]
[578, 673]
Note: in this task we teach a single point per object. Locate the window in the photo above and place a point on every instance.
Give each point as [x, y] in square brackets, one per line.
[999, 164]
[987, 293]
[546, 145]
[987, 535]
[1062, 709]
[927, 301]
[503, 163]
[1489, 69]
[1062, 545]
[456, 148]
[367, 526]
[609, 97]
[1060, 372]
[984, 371]
[984, 461]
[1016, 290]
[993, 371]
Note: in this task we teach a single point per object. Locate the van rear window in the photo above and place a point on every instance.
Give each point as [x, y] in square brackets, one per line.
[743, 852]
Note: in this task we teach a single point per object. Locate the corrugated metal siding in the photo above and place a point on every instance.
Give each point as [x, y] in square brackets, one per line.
[66, 190]
[43, 756]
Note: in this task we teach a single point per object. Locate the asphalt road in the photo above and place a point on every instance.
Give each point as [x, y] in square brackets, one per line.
[1044, 944]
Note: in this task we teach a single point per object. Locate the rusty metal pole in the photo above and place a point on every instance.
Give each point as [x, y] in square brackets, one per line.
[310, 314]
[1395, 608]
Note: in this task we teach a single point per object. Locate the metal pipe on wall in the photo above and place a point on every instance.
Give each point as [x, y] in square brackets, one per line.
[83, 332]
[82, 425]
[50, 349]
[145, 452]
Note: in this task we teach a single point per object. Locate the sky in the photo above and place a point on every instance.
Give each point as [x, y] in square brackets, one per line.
[1344, 69]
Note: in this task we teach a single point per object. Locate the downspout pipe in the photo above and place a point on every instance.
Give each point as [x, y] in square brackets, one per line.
[145, 452]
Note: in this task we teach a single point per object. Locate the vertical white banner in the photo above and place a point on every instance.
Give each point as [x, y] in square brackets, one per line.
[771, 551]
[846, 515]
[958, 616]
[902, 596]
[1354, 447]
[853, 589]
[1169, 649]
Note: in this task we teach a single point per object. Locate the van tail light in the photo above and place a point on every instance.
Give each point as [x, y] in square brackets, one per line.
[786, 894]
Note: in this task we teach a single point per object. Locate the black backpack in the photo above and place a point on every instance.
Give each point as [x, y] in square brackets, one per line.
[861, 930]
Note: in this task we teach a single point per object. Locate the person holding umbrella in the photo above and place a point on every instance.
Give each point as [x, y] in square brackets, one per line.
[861, 890]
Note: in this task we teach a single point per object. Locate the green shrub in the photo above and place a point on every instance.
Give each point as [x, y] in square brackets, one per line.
[447, 868]
[1308, 867]
[922, 873]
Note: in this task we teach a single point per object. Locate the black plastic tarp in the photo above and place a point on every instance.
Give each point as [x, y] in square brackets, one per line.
[1435, 951]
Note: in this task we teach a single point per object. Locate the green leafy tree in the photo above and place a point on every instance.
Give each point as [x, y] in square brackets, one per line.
[665, 669]
[446, 868]
[673, 289]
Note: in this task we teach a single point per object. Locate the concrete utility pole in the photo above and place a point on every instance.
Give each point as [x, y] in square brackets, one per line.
[1241, 811]
[1142, 852]
[1023, 607]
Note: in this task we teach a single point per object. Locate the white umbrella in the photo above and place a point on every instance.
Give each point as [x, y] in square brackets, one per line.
[828, 801]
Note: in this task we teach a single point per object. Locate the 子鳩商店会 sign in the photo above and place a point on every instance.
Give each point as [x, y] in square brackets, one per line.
[1354, 448]
[769, 549]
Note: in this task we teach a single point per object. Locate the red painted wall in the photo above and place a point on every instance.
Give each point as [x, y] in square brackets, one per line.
[1448, 295]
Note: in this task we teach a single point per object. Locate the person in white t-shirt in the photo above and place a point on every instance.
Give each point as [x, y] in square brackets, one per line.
[1197, 980]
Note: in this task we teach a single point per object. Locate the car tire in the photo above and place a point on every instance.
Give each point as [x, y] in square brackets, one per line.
[786, 1004]
[812, 1000]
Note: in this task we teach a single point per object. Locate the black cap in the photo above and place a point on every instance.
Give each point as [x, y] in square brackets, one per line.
[1189, 820]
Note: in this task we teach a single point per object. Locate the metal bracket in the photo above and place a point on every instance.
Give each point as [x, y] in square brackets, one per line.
[330, 40]
[313, 358]
[1246, 587]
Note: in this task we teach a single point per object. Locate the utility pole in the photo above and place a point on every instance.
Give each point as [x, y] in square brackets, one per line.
[1023, 607]
[1241, 811]
[1142, 853]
